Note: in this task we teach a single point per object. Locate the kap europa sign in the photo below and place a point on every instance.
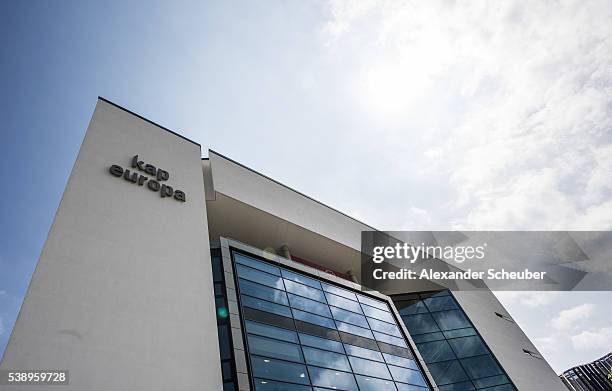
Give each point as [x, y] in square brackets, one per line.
[134, 175]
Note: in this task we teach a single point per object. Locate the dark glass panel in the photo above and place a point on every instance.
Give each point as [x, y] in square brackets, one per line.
[326, 359]
[349, 328]
[491, 381]
[262, 305]
[263, 292]
[323, 332]
[269, 385]
[271, 331]
[266, 317]
[378, 314]
[371, 384]
[407, 376]
[224, 342]
[384, 327]
[217, 269]
[339, 291]
[279, 370]
[363, 352]
[323, 343]
[274, 348]
[301, 279]
[468, 346]
[459, 333]
[436, 351]
[312, 318]
[462, 386]
[369, 368]
[400, 361]
[410, 307]
[305, 291]
[349, 317]
[447, 372]
[505, 387]
[352, 339]
[410, 387]
[449, 320]
[333, 379]
[260, 277]
[229, 386]
[427, 337]
[420, 324]
[389, 339]
[481, 366]
[305, 304]
[341, 302]
[226, 371]
[373, 303]
[256, 264]
[440, 303]
[394, 350]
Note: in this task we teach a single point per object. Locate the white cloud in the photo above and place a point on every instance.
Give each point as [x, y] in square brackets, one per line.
[593, 339]
[573, 317]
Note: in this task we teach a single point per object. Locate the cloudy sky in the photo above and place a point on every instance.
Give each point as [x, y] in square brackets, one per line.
[406, 115]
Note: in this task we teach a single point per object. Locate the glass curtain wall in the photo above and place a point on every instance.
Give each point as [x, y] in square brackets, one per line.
[456, 355]
[304, 334]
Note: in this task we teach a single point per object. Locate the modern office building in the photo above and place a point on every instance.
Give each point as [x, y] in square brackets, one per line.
[166, 271]
[594, 376]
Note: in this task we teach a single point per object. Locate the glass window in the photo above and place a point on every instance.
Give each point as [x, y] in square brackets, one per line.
[468, 346]
[312, 318]
[481, 366]
[301, 279]
[420, 324]
[400, 361]
[449, 320]
[446, 372]
[436, 351]
[248, 301]
[356, 340]
[271, 331]
[273, 348]
[427, 337]
[463, 386]
[305, 304]
[363, 352]
[326, 359]
[263, 292]
[411, 307]
[378, 314]
[260, 277]
[268, 318]
[372, 384]
[459, 333]
[305, 291]
[384, 327]
[327, 344]
[440, 303]
[349, 317]
[407, 376]
[373, 303]
[244, 260]
[389, 339]
[320, 331]
[269, 385]
[394, 350]
[333, 379]
[349, 328]
[339, 292]
[268, 368]
[410, 387]
[369, 368]
[491, 381]
[341, 302]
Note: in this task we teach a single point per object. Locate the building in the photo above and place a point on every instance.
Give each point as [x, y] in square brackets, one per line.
[159, 272]
[594, 376]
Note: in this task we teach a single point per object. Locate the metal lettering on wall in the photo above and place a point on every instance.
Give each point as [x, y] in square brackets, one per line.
[154, 184]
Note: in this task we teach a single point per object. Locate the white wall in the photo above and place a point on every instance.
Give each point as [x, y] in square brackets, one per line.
[122, 295]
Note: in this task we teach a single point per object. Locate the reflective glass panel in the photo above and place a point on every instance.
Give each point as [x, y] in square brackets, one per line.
[327, 344]
[316, 307]
[263, 292]
[301, 279]
[407, 376]
[349, 328]
[372, 384]
[270, 385]
[339, 291]
[332, 379]
[436, 351]
[369, 368]
[279, 370]
[312, 318]
[389, 339]
[323, 358]
[303, 290]
[341, 302]
[271, 331]
[384, 327]
[449, 320]
[260, 277]
[263, 305]
[363, 352]
[373, 303]
[349, 317]
[468, 346]
[274, 348]
[378, 314]
[266, 267]
[400, 361]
